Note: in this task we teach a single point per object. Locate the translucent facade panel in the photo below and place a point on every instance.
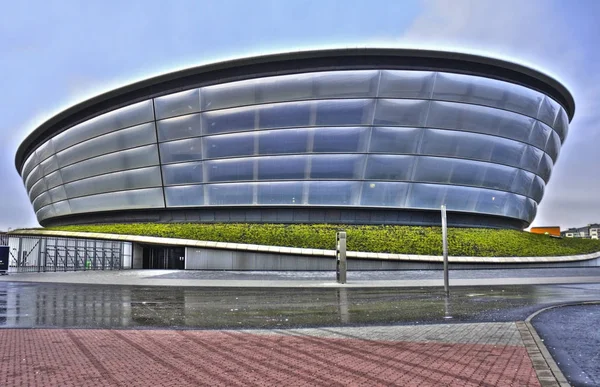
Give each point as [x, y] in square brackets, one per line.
[144, 156]
[282, 167]
[406, 84]
[539, 134]
[336, 167]
[339, 84]
[537, 189]
[127, 138]
[49, 165]
[492, 202]
[346, 84]
[383, 194]
[122, 200]
[229, 170]
[545, 168]
[236, 144]
[463, 172]
[30, 163]
[510, 152]
[179, 127]
[184, 196]
[488, 92]
[388, 167]
[548, 111]
[34, 176]
[181, 150]
[472, 146]
[37, 189]
[53, 180]
[561, 124]
[45, 150]
[553, 146]
[343, 193]
[186, 173]
[117, 119]
[62, 208]
[401, 112]
[395, 140]
[530, 158]
[283, 141]
[515, 206]
[230, 120]
[480, 119]
[230, 194]
[243, 93]
[116, 181]
[277, 193]
[177, 104]
[340, 139]
[41, 201]
[284, 115]
[497, 177]
[45, 212]
[522, 183]
[432, 196]
[530, 209]
[58, 194]
[344, 112]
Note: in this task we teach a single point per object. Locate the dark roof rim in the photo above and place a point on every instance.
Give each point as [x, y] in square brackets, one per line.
[295, 62]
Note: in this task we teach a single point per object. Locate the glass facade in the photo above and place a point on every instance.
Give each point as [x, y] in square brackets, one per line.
[397, 139]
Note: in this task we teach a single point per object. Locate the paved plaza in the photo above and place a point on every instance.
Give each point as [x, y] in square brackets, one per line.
[57, 334]
[429, 355]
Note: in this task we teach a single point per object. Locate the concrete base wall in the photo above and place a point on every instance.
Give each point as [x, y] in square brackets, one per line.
[138, 259]
[213, 259]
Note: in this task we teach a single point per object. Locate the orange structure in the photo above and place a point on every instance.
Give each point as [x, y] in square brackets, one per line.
[552, 230]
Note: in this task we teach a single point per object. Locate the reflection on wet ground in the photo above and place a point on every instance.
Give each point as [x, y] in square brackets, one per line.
[94, 306]
[382, 275]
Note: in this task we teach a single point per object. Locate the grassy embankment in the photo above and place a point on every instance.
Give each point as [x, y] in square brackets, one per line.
[385, 239]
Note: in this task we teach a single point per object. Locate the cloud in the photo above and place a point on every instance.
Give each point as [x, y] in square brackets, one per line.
[550, 37]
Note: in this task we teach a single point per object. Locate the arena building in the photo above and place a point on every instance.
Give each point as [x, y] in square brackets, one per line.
[352, 136]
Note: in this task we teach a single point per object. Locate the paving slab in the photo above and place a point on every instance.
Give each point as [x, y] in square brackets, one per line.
[431, 355]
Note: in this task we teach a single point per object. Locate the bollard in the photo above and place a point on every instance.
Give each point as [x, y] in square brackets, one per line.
[445, 250]
[340, 255]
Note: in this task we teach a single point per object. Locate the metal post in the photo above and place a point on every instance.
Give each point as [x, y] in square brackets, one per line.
[19, 263]
[445, 249]
[340, 254]
[39, 256]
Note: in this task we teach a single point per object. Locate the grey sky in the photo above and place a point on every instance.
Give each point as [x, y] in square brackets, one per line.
[56, 53]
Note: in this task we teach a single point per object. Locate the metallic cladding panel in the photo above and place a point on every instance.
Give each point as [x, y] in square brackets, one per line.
[395, 139]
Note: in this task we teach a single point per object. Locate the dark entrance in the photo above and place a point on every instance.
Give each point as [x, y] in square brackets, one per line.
[161, 257]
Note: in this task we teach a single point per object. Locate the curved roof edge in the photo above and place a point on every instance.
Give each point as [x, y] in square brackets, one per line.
[296, 62]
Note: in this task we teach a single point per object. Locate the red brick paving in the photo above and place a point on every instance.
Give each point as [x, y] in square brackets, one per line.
[62, 357]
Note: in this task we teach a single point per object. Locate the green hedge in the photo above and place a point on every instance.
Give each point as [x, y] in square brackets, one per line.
[385, 239]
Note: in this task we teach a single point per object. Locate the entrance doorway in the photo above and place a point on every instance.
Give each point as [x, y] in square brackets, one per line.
[161, 257]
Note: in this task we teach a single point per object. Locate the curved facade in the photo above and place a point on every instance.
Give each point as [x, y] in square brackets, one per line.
[389, 137]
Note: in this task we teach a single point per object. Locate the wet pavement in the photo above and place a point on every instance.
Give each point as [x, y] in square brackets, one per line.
[572, 335]
[49, 305]
[380, 275]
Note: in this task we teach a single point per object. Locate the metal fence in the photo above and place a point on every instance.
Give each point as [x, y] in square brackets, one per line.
[46, 253]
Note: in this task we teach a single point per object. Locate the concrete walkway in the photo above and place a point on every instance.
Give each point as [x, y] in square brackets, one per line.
[289, 280]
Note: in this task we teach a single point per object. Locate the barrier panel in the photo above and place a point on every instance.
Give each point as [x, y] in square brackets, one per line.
[30, 253]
